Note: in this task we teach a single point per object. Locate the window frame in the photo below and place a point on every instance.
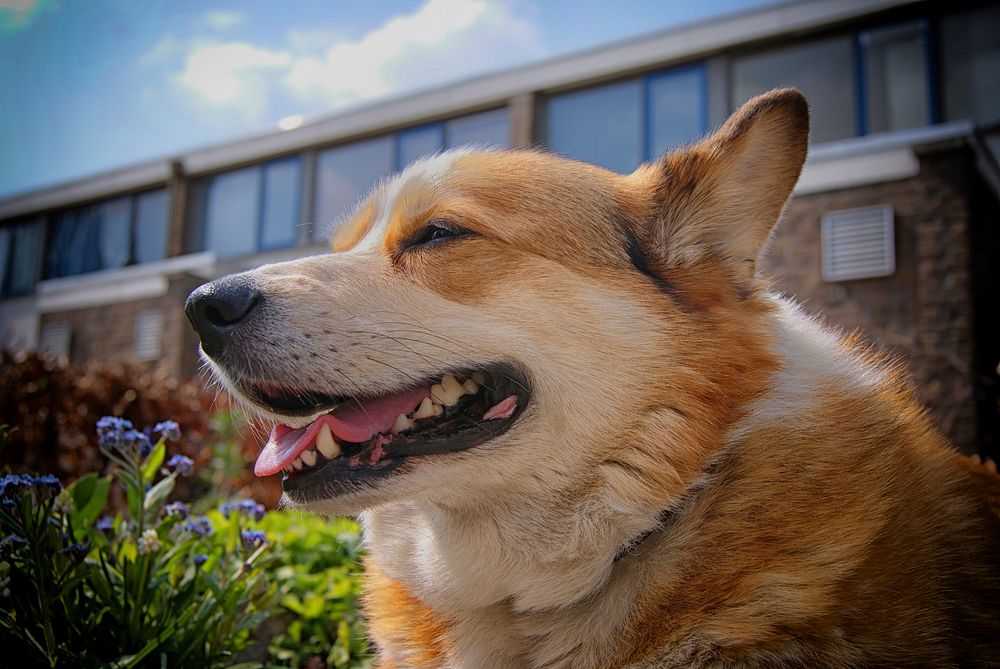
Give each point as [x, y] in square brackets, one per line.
[50, 221]
[297, 199]
[197, 215]
[646, 81]
[647, 101]
[40, 222]
[861, 83]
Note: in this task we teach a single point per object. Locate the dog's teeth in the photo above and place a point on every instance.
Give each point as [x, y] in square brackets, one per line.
[402, 423]
[425, 410]
[326, 444]
[479, 378]
[297, 463]
[438, 393]
[308, 457]
[471, 387]
[448, 391]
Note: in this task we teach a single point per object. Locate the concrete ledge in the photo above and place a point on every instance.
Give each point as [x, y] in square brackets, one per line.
[124, 284]
[872, 159]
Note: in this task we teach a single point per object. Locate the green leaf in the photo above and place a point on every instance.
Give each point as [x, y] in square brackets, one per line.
[159, 492]
[153, 461]
[89, 493]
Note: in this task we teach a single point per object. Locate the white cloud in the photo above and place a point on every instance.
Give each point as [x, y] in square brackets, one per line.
[443, 40]
[222, 20]
[234, 73]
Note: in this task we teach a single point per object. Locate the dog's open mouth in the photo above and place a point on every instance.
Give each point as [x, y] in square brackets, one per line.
[361, 439]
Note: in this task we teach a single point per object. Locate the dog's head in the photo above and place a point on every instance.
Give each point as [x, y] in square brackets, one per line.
[514, 320]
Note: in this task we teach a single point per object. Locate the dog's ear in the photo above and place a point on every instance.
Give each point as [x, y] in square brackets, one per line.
[722, 196]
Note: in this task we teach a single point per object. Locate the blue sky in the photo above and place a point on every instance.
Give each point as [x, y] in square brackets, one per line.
[92, 85]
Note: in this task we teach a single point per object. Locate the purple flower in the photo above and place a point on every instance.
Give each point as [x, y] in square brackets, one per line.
[199, 525]
[76, 552]
[47, 486]
[112, 427]
[253, 538]
[200, 559]
[168, 430]
[10, 544]
[181, 464]
[176, 509]
[105, 524]
[244, 507]
[118, 433]
[12, 485]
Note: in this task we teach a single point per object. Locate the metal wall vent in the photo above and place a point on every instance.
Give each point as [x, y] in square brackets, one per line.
[147, 340]
[858, 244]
[55, 338]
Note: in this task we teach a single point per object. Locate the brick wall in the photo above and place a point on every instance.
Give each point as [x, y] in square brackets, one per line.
[108, 332]
[923, 312]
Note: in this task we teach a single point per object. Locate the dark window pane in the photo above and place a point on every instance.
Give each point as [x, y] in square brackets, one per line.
[488, 129]
[599, 125]
[25, 238]
[280, 221]
[970, 46]
[231, 213]
[116, 217]
[677, 109]
[344, 174]
[6, 241]
[417, 143]
[823, 71]
[152, 214]
[75, 244]
[896, 80]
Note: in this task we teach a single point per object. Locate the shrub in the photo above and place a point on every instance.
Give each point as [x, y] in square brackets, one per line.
[317, 584]
[153, 586]
[55, 406]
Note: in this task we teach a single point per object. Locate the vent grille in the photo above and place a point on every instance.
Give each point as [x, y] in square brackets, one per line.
[858, 244]
[147, 342]
[55, 338]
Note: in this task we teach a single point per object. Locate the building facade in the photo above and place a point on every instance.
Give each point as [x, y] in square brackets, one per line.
[893, 227]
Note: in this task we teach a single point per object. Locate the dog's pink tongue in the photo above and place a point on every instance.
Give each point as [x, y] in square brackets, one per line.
[352, 422]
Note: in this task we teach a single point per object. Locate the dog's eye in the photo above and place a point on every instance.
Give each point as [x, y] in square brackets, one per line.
[435, 232]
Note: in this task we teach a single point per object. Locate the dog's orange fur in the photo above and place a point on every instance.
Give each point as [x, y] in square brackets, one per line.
[794, 505]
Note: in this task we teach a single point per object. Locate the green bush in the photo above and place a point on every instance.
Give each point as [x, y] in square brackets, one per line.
[316, 578]
[158, 586]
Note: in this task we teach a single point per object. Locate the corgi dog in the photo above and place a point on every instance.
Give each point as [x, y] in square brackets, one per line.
[580, 432]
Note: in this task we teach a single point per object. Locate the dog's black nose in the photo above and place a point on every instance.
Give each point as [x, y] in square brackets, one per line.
[217, 308]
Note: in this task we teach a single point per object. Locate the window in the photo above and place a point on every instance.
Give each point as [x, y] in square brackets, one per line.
[487, 129]
[416, 143]
[823, 71]
[282, 195]
[895, 78]
[970, 59]
[599, 125]
[347, 172]
[248, 210]
[112, 233]
[622, 124]
[19, 247]
[678, 109]
[152, 214]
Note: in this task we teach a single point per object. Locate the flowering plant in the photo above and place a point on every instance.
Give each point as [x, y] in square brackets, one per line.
[153, 585]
